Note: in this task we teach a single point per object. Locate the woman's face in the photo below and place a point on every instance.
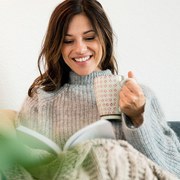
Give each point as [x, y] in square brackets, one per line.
[81, 49]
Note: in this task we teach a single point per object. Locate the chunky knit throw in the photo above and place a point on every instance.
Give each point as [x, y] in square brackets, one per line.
[98, 159]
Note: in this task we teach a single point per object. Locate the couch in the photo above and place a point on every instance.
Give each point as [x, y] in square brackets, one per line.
[175, 125]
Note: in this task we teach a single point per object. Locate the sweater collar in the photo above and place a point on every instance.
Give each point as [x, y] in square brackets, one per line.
[88, 79]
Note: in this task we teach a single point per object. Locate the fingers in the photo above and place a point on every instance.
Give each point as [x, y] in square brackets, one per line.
[132, 98]
[128, 99]
[131, 75]
[130, 86]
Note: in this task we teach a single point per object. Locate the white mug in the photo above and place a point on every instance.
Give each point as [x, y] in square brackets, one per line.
[106, 89]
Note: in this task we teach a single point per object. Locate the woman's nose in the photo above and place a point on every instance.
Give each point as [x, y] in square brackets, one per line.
[81, 47]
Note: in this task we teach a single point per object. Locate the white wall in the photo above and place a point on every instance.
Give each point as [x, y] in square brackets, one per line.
[148, 42]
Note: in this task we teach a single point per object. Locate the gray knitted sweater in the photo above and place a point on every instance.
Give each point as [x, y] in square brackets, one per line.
[59, 114]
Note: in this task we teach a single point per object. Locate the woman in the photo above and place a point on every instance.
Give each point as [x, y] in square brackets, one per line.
[79, 47]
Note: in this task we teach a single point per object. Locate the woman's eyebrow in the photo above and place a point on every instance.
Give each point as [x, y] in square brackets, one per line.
[86, 32]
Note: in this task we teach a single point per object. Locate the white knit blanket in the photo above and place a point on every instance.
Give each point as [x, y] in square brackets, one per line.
[98, 159]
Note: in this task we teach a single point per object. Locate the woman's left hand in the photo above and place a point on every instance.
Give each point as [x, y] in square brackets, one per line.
[132, 100]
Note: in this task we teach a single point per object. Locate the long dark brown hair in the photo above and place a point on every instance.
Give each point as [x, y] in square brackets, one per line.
[56, 72]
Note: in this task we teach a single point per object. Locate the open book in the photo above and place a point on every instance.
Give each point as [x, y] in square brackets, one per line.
[99, 129]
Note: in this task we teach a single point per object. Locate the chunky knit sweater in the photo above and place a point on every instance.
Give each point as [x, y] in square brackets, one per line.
[59, 114]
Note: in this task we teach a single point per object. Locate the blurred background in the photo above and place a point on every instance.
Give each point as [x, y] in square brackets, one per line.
[147, 41]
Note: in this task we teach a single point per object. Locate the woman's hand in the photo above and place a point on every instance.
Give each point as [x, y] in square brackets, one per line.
[132, 100]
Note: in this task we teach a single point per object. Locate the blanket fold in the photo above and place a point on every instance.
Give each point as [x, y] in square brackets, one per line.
[98, 159]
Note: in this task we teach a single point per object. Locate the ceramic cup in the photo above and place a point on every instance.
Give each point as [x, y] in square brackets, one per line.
[107, 90]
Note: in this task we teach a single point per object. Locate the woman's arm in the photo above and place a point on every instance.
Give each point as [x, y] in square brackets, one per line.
[28, 111]
[154, 137]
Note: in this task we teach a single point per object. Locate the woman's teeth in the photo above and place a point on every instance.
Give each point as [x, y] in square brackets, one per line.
[82, 59]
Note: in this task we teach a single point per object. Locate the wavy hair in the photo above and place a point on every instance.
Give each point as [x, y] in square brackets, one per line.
[56, 71]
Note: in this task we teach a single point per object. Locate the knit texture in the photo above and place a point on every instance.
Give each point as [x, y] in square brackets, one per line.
[60, 114]
[98, 159]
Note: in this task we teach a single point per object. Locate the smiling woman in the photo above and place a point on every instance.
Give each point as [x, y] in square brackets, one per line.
[78, 47]
[69, 28]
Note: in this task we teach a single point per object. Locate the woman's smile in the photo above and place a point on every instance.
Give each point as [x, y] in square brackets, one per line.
[82, 59]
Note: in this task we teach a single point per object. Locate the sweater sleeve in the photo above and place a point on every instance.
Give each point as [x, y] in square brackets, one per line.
[28, 111]
[154, 137]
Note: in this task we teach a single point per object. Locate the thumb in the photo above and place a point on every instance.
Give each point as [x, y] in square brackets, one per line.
[131, 75]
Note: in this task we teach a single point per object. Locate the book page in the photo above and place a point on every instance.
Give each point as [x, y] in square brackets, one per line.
[36, 140]
[100, 129]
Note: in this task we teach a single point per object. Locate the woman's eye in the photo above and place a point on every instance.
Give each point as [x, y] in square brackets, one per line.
[90, 38]
[68, 41]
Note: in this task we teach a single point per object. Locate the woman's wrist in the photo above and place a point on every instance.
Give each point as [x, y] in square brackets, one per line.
[138, 120]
